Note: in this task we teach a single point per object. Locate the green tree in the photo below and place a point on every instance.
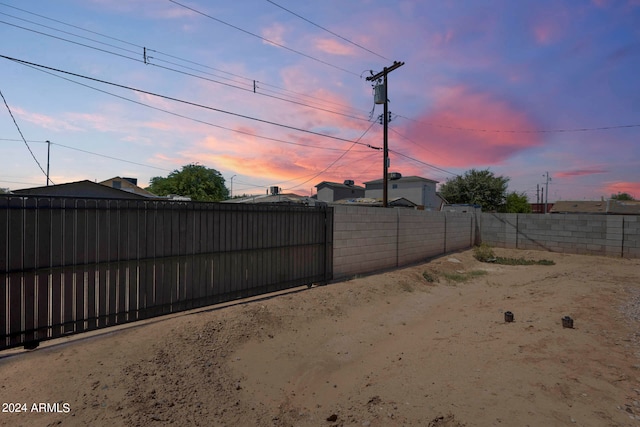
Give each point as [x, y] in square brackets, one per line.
[622, 196]
[516, 203]
[4, 190]
[195, 181]
[479, 187]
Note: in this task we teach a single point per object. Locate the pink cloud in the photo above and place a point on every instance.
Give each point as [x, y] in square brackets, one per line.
[93, 121]
[458, 129]
[150, 8]
[334, 47]
[442, 39]
[275, 33]
[549, 27]
[265, 153]
[44, 121]
[543, 33]
[632, 188]
[249, 155]
[601, 3]
[580, 172]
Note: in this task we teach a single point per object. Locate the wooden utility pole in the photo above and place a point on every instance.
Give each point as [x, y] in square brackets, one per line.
[546, 192]
[385, 157]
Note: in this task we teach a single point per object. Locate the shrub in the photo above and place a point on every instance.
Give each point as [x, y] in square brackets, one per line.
[460, 277]
[484, 253]
[428, 277]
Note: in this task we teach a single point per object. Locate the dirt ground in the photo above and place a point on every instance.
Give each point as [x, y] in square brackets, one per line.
[403, 348]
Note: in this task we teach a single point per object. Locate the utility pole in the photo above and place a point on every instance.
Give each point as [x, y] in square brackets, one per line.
[232, 186]
[48, 156]
[385, 157]
[546, 191]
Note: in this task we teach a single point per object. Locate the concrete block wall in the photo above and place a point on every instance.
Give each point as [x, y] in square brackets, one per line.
[369, 239]
[460, 231]
[631, 237]
[420, 235]
[611, 235]
[499, 229]
[364, 240]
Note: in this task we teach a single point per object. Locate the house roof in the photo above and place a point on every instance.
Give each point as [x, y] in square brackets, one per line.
[403, 179]
[338, 185]
[368, 201]
[85, 188]
[461, 207]
[282, 198]
[127, 185]
[624, 207]
[592, 207]
[611, 206]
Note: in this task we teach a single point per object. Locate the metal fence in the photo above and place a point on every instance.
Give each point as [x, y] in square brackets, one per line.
[71, 265]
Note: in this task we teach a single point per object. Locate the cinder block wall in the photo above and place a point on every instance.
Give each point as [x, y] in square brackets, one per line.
[364, 240]
[420, 235]
[611, 235]
[370, 239]
[631, 237]
[460, 231]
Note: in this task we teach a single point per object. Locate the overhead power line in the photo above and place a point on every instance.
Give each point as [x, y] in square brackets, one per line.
[423, 148]
[140, 47]
[22, 136]
[338, 159]
[422, 163]
[356, 142]
[19, 182]
[191, 118]
[95, 154]
[248, 82]
[264, 39]
[194, 104]
[328, 31]
[246, 88]
[568, 130]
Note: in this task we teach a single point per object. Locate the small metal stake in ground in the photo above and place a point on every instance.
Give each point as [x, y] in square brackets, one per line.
[567, 322]
[508, 316]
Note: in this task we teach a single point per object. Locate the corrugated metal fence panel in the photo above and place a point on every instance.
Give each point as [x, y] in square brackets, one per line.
[71, 265]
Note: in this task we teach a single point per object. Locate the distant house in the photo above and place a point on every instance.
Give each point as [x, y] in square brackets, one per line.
[579, 207]
[610, 207]
[442, 202]
[274, 196]
[421, 191]
[332, 191]
[624, 207]
[86, 188]
[539, 207]
[462, 208]
[127, 184]
[398, 202]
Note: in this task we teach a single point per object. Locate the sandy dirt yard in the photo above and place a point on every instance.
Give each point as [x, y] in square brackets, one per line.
[404, 348]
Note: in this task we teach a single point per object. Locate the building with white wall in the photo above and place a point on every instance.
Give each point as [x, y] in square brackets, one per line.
[421, 191]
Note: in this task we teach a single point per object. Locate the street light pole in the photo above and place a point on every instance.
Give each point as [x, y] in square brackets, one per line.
[48, 156]
[232, 186]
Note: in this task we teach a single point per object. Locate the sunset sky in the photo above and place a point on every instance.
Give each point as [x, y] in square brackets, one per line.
[274, 93]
